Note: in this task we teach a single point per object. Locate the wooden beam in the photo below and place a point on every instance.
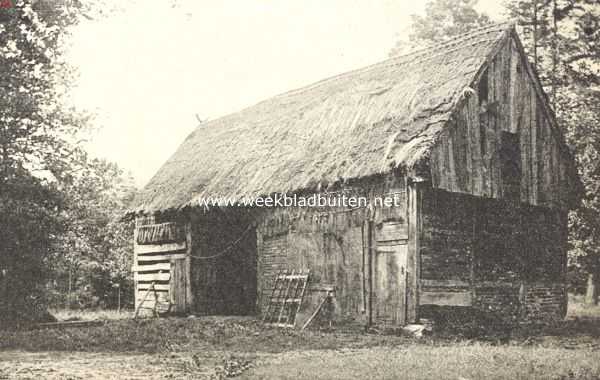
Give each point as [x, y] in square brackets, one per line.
[154, 276]
[189, 294]
[446, 298]
[160, 257]
[496, 284]
[445, 283]
[151, 267]
[135, 261]
[159, 248]
[414, 208]
[157, 287]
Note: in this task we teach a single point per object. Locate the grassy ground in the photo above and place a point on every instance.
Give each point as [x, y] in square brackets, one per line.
[87, 315]
[217, 347]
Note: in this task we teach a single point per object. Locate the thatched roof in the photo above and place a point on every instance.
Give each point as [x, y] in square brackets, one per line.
[353, 125]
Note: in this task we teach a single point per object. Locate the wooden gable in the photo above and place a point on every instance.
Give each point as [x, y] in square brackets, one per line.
[503, 141]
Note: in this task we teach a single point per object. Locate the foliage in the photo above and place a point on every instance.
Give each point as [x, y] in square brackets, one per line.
[28, 227]
[562, 38]
[443, 19]
[33, 149]
[42, 164]
[94, 255]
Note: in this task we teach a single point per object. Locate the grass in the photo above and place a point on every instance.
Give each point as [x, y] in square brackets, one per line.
[90, 315]
[414, 361]
[218, 347]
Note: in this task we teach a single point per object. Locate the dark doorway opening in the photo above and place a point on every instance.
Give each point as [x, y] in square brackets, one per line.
[224, 280]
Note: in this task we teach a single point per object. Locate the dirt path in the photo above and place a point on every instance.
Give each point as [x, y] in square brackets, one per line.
[92, 366]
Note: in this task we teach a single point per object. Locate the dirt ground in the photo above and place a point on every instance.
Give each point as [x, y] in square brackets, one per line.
[222, 347]
[85, 365]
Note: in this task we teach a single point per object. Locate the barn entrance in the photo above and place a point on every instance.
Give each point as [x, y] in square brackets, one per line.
[390, 274]
[224, 280]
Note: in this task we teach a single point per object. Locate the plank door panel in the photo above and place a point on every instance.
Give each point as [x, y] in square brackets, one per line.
[178, 286]
[390, 275]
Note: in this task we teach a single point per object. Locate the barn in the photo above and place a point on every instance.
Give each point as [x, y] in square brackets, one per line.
[460, 136]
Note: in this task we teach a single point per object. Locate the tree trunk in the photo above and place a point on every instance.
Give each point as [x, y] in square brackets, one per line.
[591, 294]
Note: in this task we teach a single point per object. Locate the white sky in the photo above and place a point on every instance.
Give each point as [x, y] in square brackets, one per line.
[150, 68]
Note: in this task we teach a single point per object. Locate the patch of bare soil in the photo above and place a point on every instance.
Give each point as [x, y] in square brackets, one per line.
[92, 366]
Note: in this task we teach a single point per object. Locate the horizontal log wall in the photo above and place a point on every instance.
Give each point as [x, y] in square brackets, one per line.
[468, 156]
[446, 247]
[161, 249]
[502, 258]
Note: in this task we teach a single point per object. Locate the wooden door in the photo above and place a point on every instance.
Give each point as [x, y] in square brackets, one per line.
[178, 282]
[390, 275]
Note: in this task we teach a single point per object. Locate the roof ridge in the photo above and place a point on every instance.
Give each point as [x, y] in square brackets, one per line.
[430, 51]
[459, 37]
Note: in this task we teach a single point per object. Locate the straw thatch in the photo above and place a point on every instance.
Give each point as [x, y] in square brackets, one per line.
[357, 124]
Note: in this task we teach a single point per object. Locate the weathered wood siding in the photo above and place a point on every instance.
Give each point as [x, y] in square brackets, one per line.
[333, 244]
[499, 257]
[469, 156]
[160, 257]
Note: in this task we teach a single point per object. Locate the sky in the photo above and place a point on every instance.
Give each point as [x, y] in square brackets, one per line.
[152, 68]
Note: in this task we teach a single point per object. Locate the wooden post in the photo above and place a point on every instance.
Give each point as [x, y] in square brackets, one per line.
[414, 193]
[591, 294]
[371, 242]
[189, 295]
[3, 290]
[135, 263]
[260, 281]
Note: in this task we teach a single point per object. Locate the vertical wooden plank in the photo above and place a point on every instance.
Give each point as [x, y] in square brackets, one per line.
[414, 209]
[490, 131]
[135, 263]
[259, 270]
[189, 295]
[175, 305]
[496, 125]
[514, 93]
[475, 146]
[434, 165]
[371, 270]
[466, 127]
[534, 166]
[451, 173]
[442, 155]
[524, 127]
[178, 286]
[485, 136]
[507, 86]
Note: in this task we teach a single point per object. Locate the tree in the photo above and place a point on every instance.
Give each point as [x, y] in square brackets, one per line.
[94, 254]
[443, 19]
[562, 38]
[38, 151]
[28, 227]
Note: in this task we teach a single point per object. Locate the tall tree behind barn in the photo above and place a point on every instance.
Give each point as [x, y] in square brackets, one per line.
[459, 134]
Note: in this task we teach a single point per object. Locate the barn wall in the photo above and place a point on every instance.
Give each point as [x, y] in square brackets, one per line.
[161, 266]
[471, 155]
[502, 258]
[333, 244]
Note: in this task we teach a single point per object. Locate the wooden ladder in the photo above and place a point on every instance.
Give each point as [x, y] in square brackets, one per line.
[286, 298]
[141, 304]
